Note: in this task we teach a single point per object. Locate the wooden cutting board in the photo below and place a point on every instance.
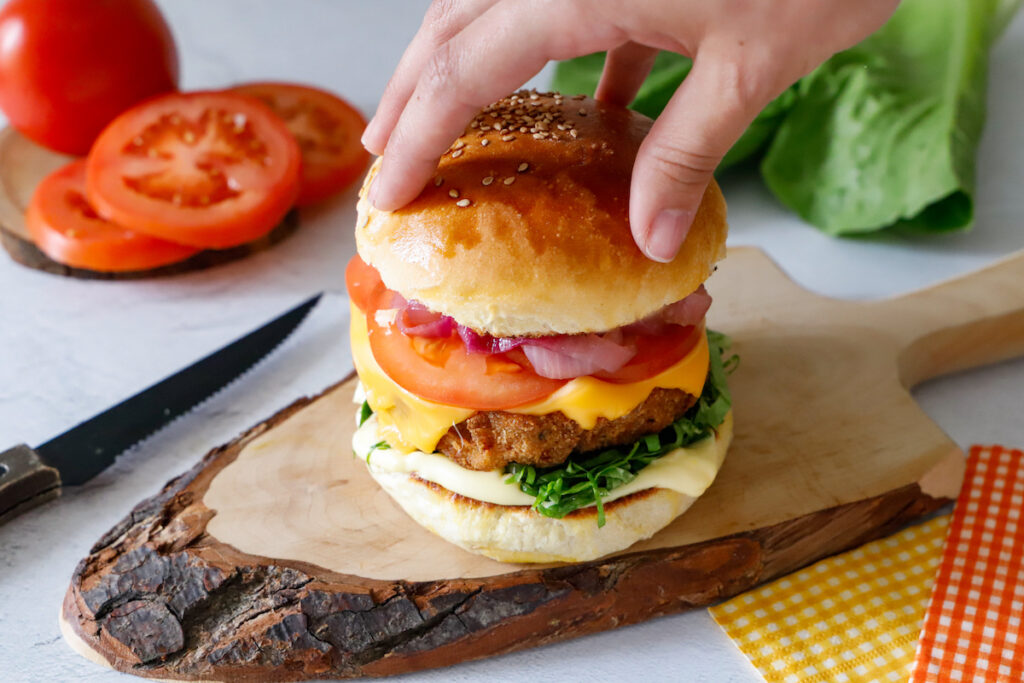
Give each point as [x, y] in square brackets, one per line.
[277, 557]
[23, 164]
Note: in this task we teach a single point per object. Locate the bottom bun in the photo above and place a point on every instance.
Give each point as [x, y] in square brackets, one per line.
[517, 533]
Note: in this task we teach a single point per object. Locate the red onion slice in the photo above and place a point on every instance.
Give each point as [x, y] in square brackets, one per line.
[415, 319]
[685, 312]
[565, 357]
[558, 356]
[688, 311]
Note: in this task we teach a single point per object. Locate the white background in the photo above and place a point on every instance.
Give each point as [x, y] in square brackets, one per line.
[69, 348]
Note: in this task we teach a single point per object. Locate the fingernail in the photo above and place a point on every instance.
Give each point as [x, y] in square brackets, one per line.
[367, 137]
[666, 235]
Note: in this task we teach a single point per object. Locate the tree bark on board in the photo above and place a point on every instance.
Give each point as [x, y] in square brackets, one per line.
[159, 597]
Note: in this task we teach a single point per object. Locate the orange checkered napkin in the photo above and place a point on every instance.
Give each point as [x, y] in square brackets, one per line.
[849, 618]
[972, 629]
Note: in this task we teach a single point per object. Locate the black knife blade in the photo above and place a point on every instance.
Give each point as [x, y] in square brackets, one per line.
[32, 476]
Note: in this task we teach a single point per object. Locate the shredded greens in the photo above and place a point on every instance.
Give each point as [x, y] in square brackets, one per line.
[379, 446]
[365, 411]
[581, 482]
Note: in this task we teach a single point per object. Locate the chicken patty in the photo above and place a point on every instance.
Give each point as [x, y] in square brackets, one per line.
[490, 440]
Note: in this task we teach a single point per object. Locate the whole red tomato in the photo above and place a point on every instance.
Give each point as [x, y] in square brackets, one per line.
[68, 67]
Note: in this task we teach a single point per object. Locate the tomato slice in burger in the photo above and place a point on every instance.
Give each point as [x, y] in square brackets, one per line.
[207, 169]
[67, 228]
[327, 129]
[363, 283]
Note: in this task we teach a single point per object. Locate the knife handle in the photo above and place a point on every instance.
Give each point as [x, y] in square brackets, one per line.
[25, 482]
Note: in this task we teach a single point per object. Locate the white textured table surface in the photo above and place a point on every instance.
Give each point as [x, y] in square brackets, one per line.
[71, 348]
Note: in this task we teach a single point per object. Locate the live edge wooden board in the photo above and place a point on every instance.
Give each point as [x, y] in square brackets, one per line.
[23, 164]
[276, 557]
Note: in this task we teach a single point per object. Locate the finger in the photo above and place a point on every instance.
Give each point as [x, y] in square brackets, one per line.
[705, 116]
[444, 19]
[625, 69]
[491, 57]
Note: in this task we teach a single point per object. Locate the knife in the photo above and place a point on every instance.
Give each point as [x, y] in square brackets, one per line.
[31, 476]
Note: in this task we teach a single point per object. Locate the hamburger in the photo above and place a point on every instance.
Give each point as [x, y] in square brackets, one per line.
[532, 387]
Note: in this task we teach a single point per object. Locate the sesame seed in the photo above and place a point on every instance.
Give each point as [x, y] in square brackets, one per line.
[454, 194]
[509, 180]
[462, 202]
[459, 144]
[437, 181]
[488, 180]
[456, 154]
[484, 142]
[526, 113]
[523, 167]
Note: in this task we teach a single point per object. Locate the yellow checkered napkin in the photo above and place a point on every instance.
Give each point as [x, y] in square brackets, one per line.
[849, 618]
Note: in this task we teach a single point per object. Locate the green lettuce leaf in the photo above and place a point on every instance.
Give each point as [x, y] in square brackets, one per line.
[583, 481]
[885, 134]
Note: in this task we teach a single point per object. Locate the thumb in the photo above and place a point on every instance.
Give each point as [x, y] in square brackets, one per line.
[674, 165]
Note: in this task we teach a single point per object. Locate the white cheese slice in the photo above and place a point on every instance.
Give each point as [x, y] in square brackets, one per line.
[687, 470]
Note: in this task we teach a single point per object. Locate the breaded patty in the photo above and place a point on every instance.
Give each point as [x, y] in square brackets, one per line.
[489, 440]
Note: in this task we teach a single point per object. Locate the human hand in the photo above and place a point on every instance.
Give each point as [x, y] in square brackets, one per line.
[469, 53]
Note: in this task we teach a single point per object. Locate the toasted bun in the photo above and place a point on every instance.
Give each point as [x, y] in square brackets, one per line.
[518, 534]
[542, 244]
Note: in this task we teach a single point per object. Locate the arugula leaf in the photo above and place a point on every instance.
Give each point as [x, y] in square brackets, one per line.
[379, 446]
[365, 411]
[584, 481]
[885, 134]
[582, 74]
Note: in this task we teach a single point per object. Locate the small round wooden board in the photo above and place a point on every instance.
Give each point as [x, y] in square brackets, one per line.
[277, 557]
[23, 164]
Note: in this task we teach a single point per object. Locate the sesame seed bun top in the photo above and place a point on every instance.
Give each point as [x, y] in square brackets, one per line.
[524, 229]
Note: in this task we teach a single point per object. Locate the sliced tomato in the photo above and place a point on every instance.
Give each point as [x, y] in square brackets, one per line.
[67, 228]
[655, 354]
[363, 283]
[328, 130]
[206, 169]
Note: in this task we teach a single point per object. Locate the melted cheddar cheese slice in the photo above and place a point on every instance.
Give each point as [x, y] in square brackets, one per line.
[410, 423]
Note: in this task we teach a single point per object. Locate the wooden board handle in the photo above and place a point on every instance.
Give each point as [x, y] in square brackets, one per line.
[965, 322]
